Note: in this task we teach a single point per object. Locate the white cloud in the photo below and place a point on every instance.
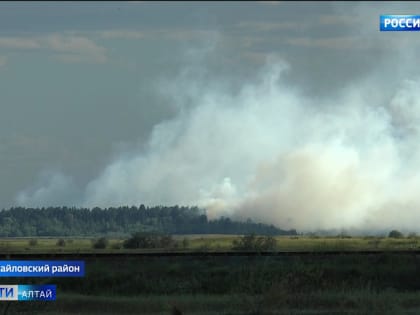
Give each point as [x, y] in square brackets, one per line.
[123, 34]
[68, 48]
[19, 43]
[332, 42]
[337, 19]
[75, 48]
[264, 26]
[178, 34]
[348, 42]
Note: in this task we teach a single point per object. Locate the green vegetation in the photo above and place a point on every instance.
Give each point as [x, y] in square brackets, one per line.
[101, 243]
[356, 301]
[387, 283]
[61, 242]
[185, 243]
[395, 234]
[121, 222]
[254, 243]
[140, 241]
[340, 284]
[33, 242]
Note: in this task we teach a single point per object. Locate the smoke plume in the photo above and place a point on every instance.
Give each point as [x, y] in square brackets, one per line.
[270, 153]
[52, 189]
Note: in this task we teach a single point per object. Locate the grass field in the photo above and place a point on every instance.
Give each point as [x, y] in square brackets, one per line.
[351, 302]
[314, 284]
[212, 243]
[384, 283]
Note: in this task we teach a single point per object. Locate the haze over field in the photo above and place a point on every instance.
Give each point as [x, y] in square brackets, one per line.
[303, 115]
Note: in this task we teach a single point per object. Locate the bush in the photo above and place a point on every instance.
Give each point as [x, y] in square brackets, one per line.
[140, 240]
[395, 234]
[33, 242]
[100, 243]
[61, 242]
[149, 240]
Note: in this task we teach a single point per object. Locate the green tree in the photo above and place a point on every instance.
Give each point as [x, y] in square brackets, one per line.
[100, 243]
[395, 234]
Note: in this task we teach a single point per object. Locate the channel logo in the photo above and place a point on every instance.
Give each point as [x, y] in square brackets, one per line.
[19, 292]
[399, 23]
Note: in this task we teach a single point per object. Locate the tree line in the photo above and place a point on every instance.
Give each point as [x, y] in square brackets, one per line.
[72, 221]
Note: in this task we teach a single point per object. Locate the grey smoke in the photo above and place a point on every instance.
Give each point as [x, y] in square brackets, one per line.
[52, 189]
[273, 154]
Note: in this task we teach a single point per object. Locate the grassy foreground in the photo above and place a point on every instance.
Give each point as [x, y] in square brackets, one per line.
[311, 284]
[385, 283]
[350, 302]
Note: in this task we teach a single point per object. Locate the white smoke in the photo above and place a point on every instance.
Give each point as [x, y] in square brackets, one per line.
[270, 153]
[52, 189]
[277, 156]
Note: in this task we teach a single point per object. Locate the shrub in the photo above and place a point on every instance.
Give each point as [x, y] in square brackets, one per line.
[101, 243]
[395, 234]
[149, 240]
[61, 242]
[140, 240]
[33, 242]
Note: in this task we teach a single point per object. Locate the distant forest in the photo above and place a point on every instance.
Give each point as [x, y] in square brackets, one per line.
[64, 221]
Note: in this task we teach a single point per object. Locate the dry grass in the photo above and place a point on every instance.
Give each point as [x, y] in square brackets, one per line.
[213, 243]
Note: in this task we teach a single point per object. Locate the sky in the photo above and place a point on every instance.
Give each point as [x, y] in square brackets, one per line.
[301, 114]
